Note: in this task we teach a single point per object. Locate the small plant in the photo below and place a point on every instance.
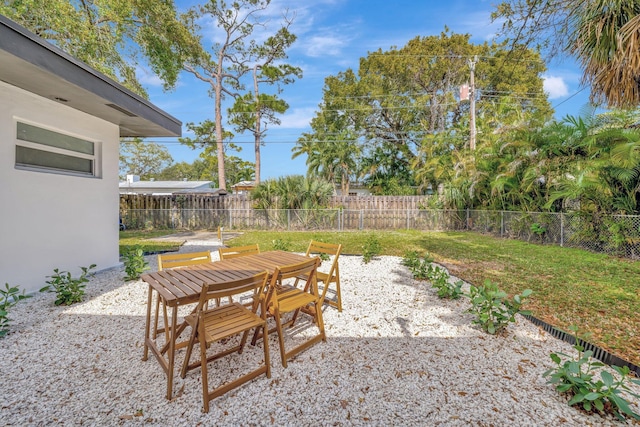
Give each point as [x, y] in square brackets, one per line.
[281, 245]
[538, 230]
[492, 308]
[8, 298]
[440, 280]
[420, 268]
[68, 290]
[370, 249]
[134, 263]
[411, 260]
[575, 376]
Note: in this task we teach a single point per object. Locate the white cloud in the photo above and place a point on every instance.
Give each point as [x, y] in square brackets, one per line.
[555, 87]
[298, 118]
[148, 78]
[319, 46]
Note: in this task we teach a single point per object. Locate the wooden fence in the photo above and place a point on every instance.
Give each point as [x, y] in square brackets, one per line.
[241, 201]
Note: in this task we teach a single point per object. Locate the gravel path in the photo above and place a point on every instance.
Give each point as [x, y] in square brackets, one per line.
[396, 355]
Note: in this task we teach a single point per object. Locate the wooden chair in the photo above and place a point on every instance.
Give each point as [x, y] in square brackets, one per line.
[220, 323]
[182, 260]
[289, 299]
[333, 275]
[173, 260]
[238, 251]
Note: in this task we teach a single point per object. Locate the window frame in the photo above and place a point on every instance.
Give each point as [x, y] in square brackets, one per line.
[94, 158]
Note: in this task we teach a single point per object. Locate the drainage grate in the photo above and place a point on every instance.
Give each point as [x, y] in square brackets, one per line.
[598, 353]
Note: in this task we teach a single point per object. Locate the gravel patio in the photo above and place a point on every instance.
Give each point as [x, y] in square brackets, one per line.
[396, 355]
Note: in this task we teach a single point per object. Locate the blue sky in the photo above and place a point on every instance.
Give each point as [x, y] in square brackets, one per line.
[332, 36]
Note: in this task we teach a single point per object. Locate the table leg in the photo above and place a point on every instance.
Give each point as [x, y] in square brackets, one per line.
[145, 356]
[172, 352]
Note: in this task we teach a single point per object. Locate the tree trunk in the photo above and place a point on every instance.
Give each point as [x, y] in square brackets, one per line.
[256, 133]
[222, 183]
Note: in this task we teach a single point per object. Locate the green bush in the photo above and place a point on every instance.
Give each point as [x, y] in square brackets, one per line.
[492, 308]
[134, 263]
[68, 290]
[576, 376]
[370, 249]
[8, 298]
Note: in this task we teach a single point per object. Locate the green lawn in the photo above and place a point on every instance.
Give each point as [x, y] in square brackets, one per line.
[130, 239]
[598, 293]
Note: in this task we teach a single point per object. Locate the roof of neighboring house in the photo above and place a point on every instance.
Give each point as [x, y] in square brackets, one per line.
[170, 187]
[31, 63]
[244, 184]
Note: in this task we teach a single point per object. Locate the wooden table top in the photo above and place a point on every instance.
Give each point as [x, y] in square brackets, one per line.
[179, 286]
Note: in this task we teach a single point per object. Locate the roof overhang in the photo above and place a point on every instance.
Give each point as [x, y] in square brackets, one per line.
[35, 65]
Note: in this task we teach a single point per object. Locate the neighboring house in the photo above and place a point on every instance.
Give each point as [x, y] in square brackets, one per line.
[243, 187]
[354, 190]
[133, 185]
[60, 124]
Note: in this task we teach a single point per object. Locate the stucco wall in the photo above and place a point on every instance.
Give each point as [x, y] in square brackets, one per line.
[50, 220]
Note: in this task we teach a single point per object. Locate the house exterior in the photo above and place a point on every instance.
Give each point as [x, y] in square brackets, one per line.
[133, 185]
[243, 187]
[354, 190]
[60, 124]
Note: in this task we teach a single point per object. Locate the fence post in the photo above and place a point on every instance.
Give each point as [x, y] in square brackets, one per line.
[361, 219]
[408, 218]
[288, 219]
[501, 223]
[466, 224]
[561, 229]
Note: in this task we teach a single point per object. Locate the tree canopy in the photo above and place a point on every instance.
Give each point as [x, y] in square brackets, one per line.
[115, 37]
[603, 35]
[379, 123]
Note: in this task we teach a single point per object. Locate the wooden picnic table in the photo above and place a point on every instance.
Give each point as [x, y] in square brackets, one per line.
[182, 286]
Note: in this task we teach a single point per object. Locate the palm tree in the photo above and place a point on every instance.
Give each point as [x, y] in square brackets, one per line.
[606, 40]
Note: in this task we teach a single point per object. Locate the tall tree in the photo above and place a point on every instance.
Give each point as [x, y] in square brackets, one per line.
[603, 35]
[249, 111]
[111, 35]
[227, 61]
[145, 159]
[238, 169]
[401, 99]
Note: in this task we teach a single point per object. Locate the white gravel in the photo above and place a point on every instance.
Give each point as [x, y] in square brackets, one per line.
[396, 355]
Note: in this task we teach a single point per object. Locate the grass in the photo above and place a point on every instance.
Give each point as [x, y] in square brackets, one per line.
[597, 293]
[132, 238]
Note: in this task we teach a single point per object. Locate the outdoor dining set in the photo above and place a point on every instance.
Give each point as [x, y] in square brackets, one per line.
[235, 297]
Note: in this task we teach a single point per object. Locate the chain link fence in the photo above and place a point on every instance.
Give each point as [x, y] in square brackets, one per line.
[614, 234]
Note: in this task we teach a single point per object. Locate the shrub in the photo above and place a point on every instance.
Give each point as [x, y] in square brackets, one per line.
[492, 308]
[68, 290]
[134, 263]
[575, 376]
[370, 248]
[8, 298]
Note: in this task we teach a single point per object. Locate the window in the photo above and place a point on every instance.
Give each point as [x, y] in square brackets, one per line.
[48, 151]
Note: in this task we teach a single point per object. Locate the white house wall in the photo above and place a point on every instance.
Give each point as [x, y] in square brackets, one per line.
[50, 220]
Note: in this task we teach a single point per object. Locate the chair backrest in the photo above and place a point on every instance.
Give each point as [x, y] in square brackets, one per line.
[305, 268]
[182, 260]
[238, 251]
[256, 283]
[320, 248]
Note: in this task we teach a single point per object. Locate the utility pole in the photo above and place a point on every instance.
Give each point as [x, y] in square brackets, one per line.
[472, 104]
